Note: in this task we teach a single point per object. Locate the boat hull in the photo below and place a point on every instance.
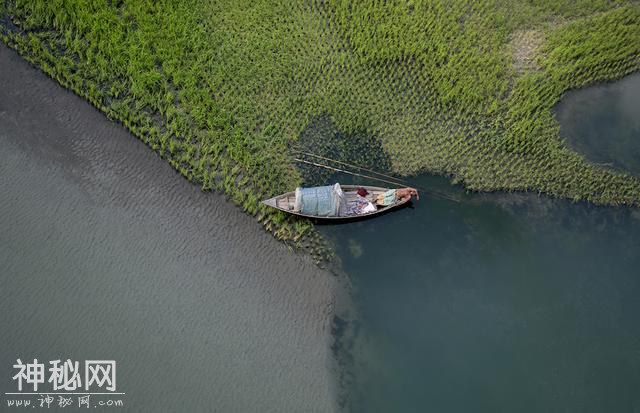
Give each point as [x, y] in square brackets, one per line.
[285, 202]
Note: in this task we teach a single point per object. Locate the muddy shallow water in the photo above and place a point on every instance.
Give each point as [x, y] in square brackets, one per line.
[108, 253]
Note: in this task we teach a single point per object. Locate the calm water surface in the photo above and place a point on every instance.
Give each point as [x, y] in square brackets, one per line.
[107, 253]
[603, 123]
[505, 302]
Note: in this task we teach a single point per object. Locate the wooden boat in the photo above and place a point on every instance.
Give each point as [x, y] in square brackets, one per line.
[285, 202]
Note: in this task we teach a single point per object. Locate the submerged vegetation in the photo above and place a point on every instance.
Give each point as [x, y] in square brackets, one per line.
[223, 89]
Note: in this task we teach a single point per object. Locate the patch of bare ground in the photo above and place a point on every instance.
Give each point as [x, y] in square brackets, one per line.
[524, 45]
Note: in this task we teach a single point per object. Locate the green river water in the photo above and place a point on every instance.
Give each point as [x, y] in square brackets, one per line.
[502, 302]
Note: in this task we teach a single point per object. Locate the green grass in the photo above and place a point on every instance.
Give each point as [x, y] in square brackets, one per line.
[223, 89]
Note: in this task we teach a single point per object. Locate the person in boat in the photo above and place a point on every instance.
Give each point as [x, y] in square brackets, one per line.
[399, 195]
[361, 205]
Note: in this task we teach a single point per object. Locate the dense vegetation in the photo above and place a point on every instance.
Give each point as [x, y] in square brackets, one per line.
[223, 89]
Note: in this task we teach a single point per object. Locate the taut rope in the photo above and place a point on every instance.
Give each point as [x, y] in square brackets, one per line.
[349, 172]
[396, 182]
[352, 165]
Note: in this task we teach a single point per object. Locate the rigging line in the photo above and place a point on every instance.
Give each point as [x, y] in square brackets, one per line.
[397, 181]
[348, 172]
[348, 164]
[376, 179]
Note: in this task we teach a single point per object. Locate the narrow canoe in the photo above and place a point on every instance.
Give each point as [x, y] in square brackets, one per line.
[286, 201]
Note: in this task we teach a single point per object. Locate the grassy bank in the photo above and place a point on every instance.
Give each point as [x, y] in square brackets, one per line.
[223, 89]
